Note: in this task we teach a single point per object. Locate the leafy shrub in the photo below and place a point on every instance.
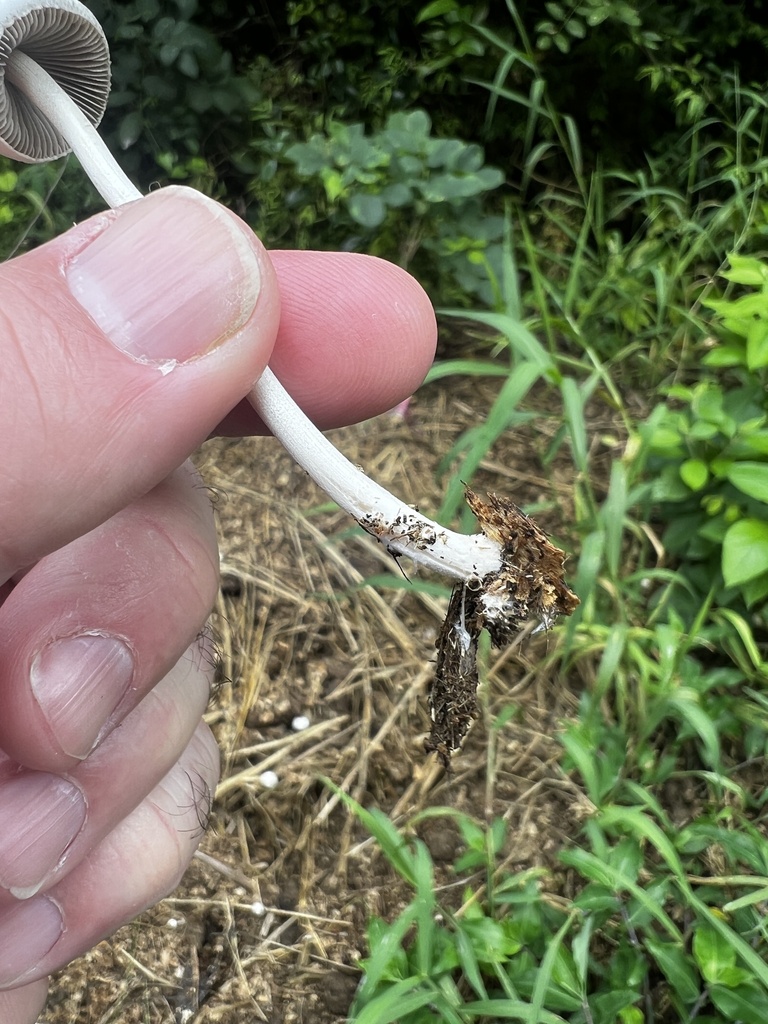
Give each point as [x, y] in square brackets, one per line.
[174, 88]
[399, 192]
[709, 447]
[619, 950]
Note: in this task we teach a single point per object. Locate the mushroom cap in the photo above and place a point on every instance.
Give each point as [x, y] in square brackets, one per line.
[66, 41]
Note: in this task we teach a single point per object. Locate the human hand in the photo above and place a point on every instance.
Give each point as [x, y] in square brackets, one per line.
[108, 565]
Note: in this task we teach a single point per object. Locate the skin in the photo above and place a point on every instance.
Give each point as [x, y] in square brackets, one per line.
[107, 532]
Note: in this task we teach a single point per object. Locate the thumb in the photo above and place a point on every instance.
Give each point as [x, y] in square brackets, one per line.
[122, 344]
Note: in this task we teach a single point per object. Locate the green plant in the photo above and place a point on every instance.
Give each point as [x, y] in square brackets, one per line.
[402, 192]
[175, 90]
[619, 951]
[708, 449]
[26, 214]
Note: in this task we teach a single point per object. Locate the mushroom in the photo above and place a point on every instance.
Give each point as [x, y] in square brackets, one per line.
[54, 84]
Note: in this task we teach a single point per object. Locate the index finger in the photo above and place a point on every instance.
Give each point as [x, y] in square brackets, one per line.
[357, 335]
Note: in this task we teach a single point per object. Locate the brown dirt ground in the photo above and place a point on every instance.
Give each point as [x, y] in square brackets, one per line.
[298, 636]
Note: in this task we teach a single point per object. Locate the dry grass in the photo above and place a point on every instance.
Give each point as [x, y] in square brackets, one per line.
[270, 920]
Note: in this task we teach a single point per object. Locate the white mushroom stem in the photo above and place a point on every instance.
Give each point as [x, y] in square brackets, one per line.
[399, 527]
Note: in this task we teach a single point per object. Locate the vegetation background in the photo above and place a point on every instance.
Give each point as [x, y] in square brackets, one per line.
[581, 186]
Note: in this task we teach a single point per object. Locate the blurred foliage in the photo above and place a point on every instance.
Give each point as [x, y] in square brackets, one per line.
[708, 447]
[218, 96]
[401, 189]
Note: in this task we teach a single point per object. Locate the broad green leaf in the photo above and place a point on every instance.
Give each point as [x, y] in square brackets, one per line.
[745, 552]
[756, 590]
[435, 10]
[666, 440]
[694, 473]
[701, 430]
[631, 1015]
[712, 952]
[668, 486]
[707, 402]
[750, 478]
[746, 270]
[747, 1004]
[676, 968]
[725, 355]
[368, 211]
[733, 977]
[745, 308]
[753, 960]
[397, 194]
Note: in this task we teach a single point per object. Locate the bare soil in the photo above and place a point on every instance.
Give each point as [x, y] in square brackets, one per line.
[269, 922]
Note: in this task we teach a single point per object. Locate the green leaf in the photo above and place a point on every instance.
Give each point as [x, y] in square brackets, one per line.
[468, 958]
[676, 968]
[747, 1003]
[631, 1015]
[465, 368]
[575, 28]
[733, 977]
[435, 10]
[757, 345]
[685, 702]
[368, 211]
[745, 552]
[130, 128]
[750, 478]
[695, 473]
[746, 270]
[712, 952]
[751, 898]
[666, 440]
[756, 590]
[508, 1009]
[574, 403]
[397, 194]
[669, 487]
[703, 431]
[725, 355]
[397, 1001]
[743, 310]
[591, 866]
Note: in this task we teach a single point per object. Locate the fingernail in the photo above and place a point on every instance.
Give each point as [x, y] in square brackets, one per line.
[171, 277]
[40, 816]
[28, 931]
[78, 683]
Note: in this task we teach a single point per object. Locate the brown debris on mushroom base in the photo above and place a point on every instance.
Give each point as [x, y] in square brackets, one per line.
[530, 585]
